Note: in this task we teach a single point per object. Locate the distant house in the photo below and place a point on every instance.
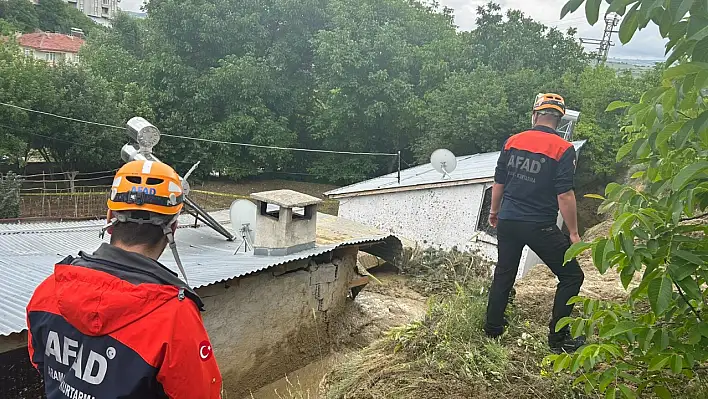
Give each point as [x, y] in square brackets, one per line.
[434, 211]
[55, 48]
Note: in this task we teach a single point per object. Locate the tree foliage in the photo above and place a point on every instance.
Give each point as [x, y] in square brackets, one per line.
[46, 15]
[365, 76]
[10, 195]
[64, 90]
[655, 341]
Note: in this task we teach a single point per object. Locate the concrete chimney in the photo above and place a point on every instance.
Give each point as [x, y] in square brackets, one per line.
[288, 225]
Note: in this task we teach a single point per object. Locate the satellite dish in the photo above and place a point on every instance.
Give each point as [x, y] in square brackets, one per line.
[444, 161]
[243, 220]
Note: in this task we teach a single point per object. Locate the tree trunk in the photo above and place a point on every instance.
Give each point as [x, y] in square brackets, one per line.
[71, 176]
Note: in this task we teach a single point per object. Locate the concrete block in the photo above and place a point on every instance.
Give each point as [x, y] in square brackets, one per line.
[324, 274]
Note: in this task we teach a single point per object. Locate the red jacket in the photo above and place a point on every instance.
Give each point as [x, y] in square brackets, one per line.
[95, 335]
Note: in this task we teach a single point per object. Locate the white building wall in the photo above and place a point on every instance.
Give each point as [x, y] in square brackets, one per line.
[100, 11]
[51, 57]
[441, 217]
[444, 217]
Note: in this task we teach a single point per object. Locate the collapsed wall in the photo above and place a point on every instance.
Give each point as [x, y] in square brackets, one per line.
[276, 321]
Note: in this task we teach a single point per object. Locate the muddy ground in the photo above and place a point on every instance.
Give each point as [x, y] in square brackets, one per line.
[376, 309]
[392, 303]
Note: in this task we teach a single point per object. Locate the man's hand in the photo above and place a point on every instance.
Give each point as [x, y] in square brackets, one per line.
[574, 238]
[493, 219]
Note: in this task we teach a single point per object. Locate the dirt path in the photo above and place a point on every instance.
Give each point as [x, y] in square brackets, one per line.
[376, 309]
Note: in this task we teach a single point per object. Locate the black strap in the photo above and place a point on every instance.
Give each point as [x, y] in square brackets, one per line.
[141, 198]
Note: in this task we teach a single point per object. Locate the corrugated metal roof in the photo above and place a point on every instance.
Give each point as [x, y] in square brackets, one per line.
[470, 167]
[28, 252]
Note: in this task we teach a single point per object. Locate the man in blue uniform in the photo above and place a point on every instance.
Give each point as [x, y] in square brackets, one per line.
[533, 181]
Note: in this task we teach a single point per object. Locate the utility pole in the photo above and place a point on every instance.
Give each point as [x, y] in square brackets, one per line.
[611, 22]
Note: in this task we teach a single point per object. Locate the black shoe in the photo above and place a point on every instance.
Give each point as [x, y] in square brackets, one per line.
[560, 343]
[494, 332]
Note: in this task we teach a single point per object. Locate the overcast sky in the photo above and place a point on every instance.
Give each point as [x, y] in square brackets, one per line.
[646, 44]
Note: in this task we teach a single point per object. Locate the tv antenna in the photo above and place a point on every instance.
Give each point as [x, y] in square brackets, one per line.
[444, 161]
[147, 136]
[243, 220]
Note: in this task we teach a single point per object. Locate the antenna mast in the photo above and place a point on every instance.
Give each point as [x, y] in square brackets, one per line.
[604, 44]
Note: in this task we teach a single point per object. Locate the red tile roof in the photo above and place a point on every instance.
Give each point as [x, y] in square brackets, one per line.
[46, 41]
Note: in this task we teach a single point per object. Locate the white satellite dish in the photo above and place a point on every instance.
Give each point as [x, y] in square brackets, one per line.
[243, 220]
[444, 161]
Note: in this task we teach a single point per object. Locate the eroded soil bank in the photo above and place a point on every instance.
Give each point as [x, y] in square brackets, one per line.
[374, 311]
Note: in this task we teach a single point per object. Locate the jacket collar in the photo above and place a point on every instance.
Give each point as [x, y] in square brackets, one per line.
[545, 129]
[134, 268]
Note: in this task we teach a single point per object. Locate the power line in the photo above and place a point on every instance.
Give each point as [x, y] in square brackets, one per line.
[272, 147]
[46, 137]
[60, 116]
[207, 140]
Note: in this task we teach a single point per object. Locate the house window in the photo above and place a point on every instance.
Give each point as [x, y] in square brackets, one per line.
[28, 52]
[482, 222]
[51, 57]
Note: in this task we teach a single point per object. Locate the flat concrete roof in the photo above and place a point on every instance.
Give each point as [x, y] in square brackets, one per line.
[286, 198]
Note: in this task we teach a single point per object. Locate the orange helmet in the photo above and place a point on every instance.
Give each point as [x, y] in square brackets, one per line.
[549, 102]
[146, 186]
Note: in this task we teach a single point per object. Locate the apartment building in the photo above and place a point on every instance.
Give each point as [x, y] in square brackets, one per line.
[100, 11]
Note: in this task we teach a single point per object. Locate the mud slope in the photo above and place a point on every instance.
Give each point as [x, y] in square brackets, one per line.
[375, 310]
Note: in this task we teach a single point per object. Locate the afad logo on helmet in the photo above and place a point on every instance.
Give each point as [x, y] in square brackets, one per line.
[146, 190]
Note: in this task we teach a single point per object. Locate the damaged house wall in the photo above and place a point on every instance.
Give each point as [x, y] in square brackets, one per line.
[273, 322]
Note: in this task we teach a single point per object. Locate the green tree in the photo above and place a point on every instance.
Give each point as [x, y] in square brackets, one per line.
[655, 341]
[366, 76]
[518, 42]
[58, 16]
[64, 90]
[468, 113]
[24, 82]
[79, 146]
[369, 69]
[21, 14]
[590, 92]
[46, 15]
[10, 186]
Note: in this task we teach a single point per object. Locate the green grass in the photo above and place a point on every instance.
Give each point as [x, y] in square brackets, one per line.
[447, 355]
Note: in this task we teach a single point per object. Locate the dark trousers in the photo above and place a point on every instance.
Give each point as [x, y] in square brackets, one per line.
[550, 244]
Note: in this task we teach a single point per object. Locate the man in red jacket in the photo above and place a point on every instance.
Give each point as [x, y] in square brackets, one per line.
[117, 323]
